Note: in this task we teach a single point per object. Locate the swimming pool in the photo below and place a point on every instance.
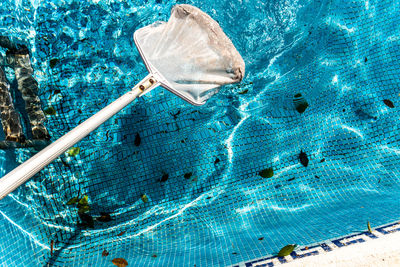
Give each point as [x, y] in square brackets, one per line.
[212, 207]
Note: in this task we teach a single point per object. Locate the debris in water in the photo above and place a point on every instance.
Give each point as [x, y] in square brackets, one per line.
[303, 158]
[216, 161]
[50, 111]
[145, 199]
[138, 140]
[187, 175]
[120, 234]
[73, 201]
[120, 262]
[154, 256]
[73, 151]
[105, 217]
[53, 62]
[51, 247]
[261, 238]
[243, 92]
[388, 103]
[322, 160]
[286, 250]
[164, 178]
[86, 219]
[369, 227]
[105, 253]
[300, 103]
[266, 173]
[291, 179]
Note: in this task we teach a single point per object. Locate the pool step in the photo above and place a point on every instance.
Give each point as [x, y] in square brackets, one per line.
[19, 60]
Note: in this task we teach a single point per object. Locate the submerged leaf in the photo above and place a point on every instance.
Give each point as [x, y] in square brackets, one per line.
[50, 111]
[73, 201]
[53, 62]
[243, 92]
[138, 140]
[303, 158]
[216, 160]
[369, 227]
[51, 247]
[145, 199]
[84, 201]
[73, 151]
[388, 103]
[267, 173]
[86, 219]
[120, 262]
[105, 217]
[105, 253]
[120, 234]
[83, 209]
[187, 175]
[286, 250]
[164, 178]
[300, 103]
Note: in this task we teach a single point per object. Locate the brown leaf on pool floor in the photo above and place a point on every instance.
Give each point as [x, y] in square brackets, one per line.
[303, 158]
[216, 161]
[164, 178]
[120, 262]
[144, 198]
[154, 256]
[105, 253]
[388, 103]
[51, 247]
[105, 217]
[261, 238]
[187, 175]
[138, 140]
[120, 234]
[322, 160]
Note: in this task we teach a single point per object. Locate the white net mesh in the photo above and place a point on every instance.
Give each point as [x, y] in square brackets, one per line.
[191, 52]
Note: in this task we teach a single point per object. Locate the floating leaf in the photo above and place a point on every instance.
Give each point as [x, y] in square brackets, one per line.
[53, 62]
[388, 103]
[303, 158]
[73, 151]
[369, 227]
[138, 140]
[120, 262]
[105, 217]
[83, 209]
[286, 250]
[164, 178]
[243, 92]
[267, 173]
[105, 253]
[73, 201]
[300, 103]
[187, 175]
[86, 219]
[120, 234]
[145, 199]
[50, 111]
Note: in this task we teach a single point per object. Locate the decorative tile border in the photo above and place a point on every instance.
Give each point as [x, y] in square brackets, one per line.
[323, 247]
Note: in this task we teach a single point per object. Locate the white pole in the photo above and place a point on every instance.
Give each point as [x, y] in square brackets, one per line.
[29, 168]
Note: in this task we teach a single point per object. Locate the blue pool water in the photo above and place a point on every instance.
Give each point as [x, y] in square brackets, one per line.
[342, 56]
